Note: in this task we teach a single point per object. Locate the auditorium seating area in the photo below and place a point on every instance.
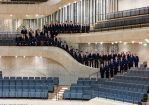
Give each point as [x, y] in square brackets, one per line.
[132, 18]
[27, 87]
[122, 23]
[125, 88]
[128, 13]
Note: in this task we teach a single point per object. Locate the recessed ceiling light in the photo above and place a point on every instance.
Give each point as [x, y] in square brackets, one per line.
[140, 42]
[37, 15]
[145, 44]
[11, 15]
[132, 42]
[125, 43]
[101, 42]
[120, 41]
[16, 56]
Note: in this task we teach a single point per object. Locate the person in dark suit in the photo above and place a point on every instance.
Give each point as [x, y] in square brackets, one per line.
[106, 69]
[130, 61]
[136, 60]
[102, 72]
[111, 67]
[96, 58]
[116, 66]
[125, 60]
[121, 65]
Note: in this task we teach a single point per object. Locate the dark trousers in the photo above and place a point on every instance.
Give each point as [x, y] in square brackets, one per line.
[102, 74]
[115, 70]
[136, 64]
[121, 69]
[107, 74]
[96, 64]
[111, 73]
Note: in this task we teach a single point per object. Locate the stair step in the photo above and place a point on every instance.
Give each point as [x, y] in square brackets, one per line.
[59, 94]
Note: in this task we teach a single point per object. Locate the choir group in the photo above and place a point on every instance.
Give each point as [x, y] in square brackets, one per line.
[109, 64]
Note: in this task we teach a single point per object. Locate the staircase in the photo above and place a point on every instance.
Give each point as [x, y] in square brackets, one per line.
[58, 94]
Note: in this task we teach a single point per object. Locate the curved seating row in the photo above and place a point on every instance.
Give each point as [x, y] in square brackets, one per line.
[128, 13]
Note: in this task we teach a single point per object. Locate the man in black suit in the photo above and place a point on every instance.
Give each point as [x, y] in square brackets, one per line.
[111, 67]
[102, 72]
[96, 57]
[121, 65]
[136, 60]
[130, 61]
[106, 69]
[116, 66]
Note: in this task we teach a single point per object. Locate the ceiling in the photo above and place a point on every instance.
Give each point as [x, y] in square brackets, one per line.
[30, 11]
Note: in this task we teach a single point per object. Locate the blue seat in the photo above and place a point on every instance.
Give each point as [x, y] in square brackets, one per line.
[66, 94]
[32, 82]
[25, 78]
[5, 82]
[19, 82]
[32, 92]
[37, 78]
[12, 82]
[12, 78]
[12, 92]
[18, 78]
[25, 92]
[1, 91]
[5, 90]
[31, 78]
[38, 91]
[19, 90]
[25, 82]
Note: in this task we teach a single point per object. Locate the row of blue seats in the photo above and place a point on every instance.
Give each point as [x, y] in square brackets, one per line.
[131, 81]
[26, 80]
[114, 84]
[138, 73]
[48, 88]
[24, 91]
[127, 13]
[120, 95]
[132, 78]
[22, 94]
[105, 93]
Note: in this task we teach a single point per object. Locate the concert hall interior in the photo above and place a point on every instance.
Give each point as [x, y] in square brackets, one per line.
[70, 52]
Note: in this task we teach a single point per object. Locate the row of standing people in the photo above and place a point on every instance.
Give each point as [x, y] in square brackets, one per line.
[112, 67]
[67, 27]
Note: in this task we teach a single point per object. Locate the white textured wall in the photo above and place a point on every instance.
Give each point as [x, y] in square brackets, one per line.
[131, 4]
[31, 66]
[66, 68]
[140, 50]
